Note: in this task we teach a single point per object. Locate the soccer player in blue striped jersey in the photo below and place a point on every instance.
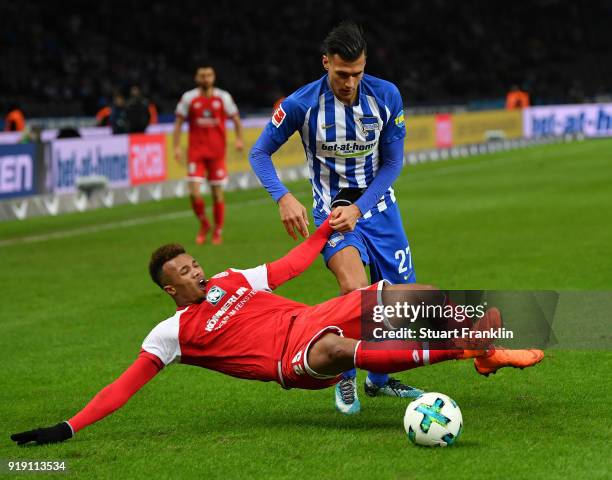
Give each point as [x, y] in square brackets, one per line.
[352, 129]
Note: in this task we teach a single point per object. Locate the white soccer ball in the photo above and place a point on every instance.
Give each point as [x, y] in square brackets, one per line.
[433, 420]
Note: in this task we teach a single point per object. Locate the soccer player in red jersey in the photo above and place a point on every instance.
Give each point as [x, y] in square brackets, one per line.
[234, 324]
[206, 109]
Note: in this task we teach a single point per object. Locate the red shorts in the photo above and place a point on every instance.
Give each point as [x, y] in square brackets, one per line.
[340, 315]
[212, 169]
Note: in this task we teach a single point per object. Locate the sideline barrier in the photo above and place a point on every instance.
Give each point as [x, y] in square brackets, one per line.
[420, 132]
[123, 160]
[73, 158]
[52, 204]
[590, 120]
[477, 127]
[18, 170]
[131, 161]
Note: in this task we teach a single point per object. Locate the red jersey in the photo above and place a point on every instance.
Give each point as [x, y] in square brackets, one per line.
[206, 117]
[239, 329]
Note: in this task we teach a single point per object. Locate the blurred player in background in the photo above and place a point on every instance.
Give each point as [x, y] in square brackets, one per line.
[352, 128]
[206, 109]
[516, 98]
[15, 119]
[232, 323]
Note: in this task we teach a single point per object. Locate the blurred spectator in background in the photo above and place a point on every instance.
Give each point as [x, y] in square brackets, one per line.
[14, 120]
[118, 116]
[153, 117]
[103, 116]
[32, 134]
[61, 61]
[137, 111]
[516, 98]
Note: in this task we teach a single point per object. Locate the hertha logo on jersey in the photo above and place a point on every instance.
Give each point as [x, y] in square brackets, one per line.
[369, 124]
[278, 116]
[214, 295]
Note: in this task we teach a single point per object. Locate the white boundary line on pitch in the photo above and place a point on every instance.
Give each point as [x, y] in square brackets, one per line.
[93, 229]
[73, 232]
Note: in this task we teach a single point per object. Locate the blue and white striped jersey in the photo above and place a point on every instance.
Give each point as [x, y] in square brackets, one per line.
[342, 144]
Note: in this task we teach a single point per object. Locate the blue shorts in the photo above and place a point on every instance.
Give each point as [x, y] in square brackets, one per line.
[381, 242]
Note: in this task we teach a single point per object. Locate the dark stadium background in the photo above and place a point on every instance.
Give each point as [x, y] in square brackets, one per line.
[66, 58]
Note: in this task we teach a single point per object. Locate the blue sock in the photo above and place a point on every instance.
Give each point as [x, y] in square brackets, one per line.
[352, 373]
[378, 379]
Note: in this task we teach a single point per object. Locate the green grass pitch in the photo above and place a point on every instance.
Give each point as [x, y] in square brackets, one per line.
[76, 303]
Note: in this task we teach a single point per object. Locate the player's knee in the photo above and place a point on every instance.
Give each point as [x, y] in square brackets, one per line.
[330, 348]
[410, 287]
[217, 194]
[350, 284]
[429, 295]
[331, 354]
[413, 294]
[338, 350]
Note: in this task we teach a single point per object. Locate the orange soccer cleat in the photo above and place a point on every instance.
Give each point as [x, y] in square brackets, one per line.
[499, 357]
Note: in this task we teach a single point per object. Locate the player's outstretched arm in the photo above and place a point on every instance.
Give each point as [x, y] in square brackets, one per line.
[260, 158]
[108, 400]
[293, 214]
[285, 121]
[299, 258]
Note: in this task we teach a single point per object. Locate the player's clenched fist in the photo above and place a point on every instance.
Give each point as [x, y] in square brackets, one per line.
[344, 219]
[293, 215]
[42, 436]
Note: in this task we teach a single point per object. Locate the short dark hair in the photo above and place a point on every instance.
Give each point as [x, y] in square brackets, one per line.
[345, 40]
[160, 256]
[204, 66]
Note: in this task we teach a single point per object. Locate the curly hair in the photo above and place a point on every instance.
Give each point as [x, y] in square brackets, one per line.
[160, 256]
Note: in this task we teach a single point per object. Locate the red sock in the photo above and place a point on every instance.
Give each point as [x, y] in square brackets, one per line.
[219, 214]
[396, 356]
[198, 206]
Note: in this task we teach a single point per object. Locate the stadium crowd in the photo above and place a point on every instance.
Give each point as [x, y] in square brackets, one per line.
[63, 61]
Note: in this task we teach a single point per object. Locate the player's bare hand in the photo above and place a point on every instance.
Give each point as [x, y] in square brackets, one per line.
[344, 219]
[178, 154]
[293, 215]
[239, 145]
